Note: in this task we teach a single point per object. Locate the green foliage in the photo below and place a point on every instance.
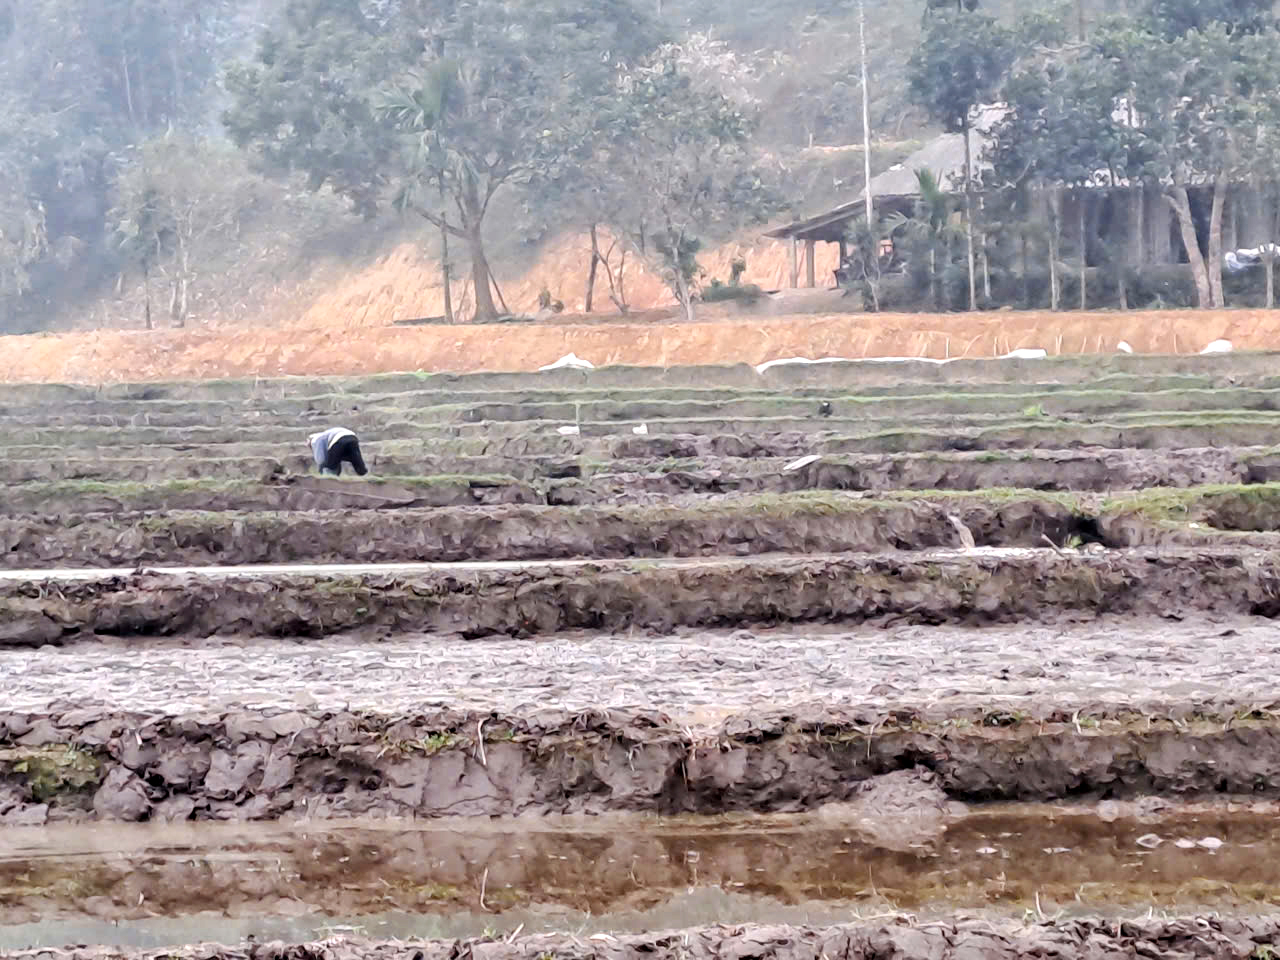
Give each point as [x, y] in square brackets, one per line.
[866, 265]
[175, 199]
[673, 158]
[440, 125]
[927, 237]
[959, 65]
[305, 100]
[666, 131]
[1175, 18]
[81, 80]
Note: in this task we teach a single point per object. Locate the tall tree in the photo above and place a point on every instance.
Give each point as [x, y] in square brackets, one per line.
[958, 67]
[178, 199]
[1058, 132]
[81, 80]
[445, 102]
[674, 155]
[1195, 126]
[1176, 18]
[305, 100]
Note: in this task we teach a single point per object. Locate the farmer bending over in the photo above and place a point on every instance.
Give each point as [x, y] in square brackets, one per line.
[334, 446]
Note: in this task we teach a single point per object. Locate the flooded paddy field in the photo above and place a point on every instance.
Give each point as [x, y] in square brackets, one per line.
[840, 660]
[158, 885]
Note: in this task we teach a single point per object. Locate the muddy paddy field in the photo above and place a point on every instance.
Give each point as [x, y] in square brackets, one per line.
[841, 660]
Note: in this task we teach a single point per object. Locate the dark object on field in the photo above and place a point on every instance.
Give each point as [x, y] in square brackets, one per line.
[334, 447]
[824, 408]
[546, 303]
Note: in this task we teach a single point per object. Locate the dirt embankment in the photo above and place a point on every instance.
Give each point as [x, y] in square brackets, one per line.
[812, 522]
[109, 356]
[1201, 938]
[92, 764]
[569, 480]
[732, 527]
[659, 595]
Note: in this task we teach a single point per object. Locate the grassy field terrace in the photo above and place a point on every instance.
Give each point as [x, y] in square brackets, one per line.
[980, 651]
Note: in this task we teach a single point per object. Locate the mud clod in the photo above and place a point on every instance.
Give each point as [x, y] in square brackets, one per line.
[121, 797]
[1201, 938]
[901, 775]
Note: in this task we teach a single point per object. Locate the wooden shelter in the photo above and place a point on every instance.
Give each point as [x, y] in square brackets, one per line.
[1095, 219]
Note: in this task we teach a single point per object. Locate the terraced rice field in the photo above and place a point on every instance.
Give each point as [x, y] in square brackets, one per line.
[840, 660]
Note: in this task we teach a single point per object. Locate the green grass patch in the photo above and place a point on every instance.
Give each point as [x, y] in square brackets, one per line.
[1228, 507]
[54, 771]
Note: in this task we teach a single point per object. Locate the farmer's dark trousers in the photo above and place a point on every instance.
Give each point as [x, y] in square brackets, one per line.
[345, 450]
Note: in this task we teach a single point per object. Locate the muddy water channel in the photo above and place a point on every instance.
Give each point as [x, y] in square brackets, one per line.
[154, 886]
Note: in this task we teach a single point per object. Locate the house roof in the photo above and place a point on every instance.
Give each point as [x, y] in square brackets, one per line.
[943, 156]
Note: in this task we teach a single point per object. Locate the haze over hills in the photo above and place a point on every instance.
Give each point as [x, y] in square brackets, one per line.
[160, 160]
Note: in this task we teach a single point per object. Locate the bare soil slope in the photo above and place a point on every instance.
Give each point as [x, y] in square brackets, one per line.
[330, 349]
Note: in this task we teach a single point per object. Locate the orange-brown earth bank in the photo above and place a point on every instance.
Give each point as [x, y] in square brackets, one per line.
[653, 340]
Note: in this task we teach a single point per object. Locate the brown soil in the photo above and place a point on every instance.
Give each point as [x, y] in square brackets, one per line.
[720, 527]
[298, 493]
[1203, 938]
[567, 480]
[89, 763]
[109, 356]
[406, 284]
[953, 587]
[399, 531]
[1210, 665]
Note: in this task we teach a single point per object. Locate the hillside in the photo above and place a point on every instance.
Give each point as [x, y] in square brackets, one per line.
[87, 154]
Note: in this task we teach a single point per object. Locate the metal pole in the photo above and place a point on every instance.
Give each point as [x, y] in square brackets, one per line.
[866, 118]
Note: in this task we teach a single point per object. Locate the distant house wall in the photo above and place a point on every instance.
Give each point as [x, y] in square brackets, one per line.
[1133, 222]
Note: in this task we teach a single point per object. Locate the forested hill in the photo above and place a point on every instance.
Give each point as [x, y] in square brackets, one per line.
[162, 143]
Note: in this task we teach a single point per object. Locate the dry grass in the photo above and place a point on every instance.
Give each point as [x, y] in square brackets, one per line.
[331, 349]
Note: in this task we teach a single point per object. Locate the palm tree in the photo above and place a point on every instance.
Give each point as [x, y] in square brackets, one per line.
[930, 224]
[429, 110]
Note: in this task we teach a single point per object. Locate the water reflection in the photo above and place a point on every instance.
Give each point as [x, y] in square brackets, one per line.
[155, 886]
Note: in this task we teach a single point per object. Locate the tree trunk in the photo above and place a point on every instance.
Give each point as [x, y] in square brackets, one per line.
[146, 293]
[1026, 282]
[982, 252]
[498, 290]
[591, 273]
[1273, 204]
[1082, 218]
[684, 294]
[128, 88]
[445, 277]
[1181, 203]
[621, 298]
[1214, 266]
[481, 283]
[471, 208]
[934, 291]
[968, 215]
[178, 293]
[1053, 201]
[1137, 199]
[1270, 260]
